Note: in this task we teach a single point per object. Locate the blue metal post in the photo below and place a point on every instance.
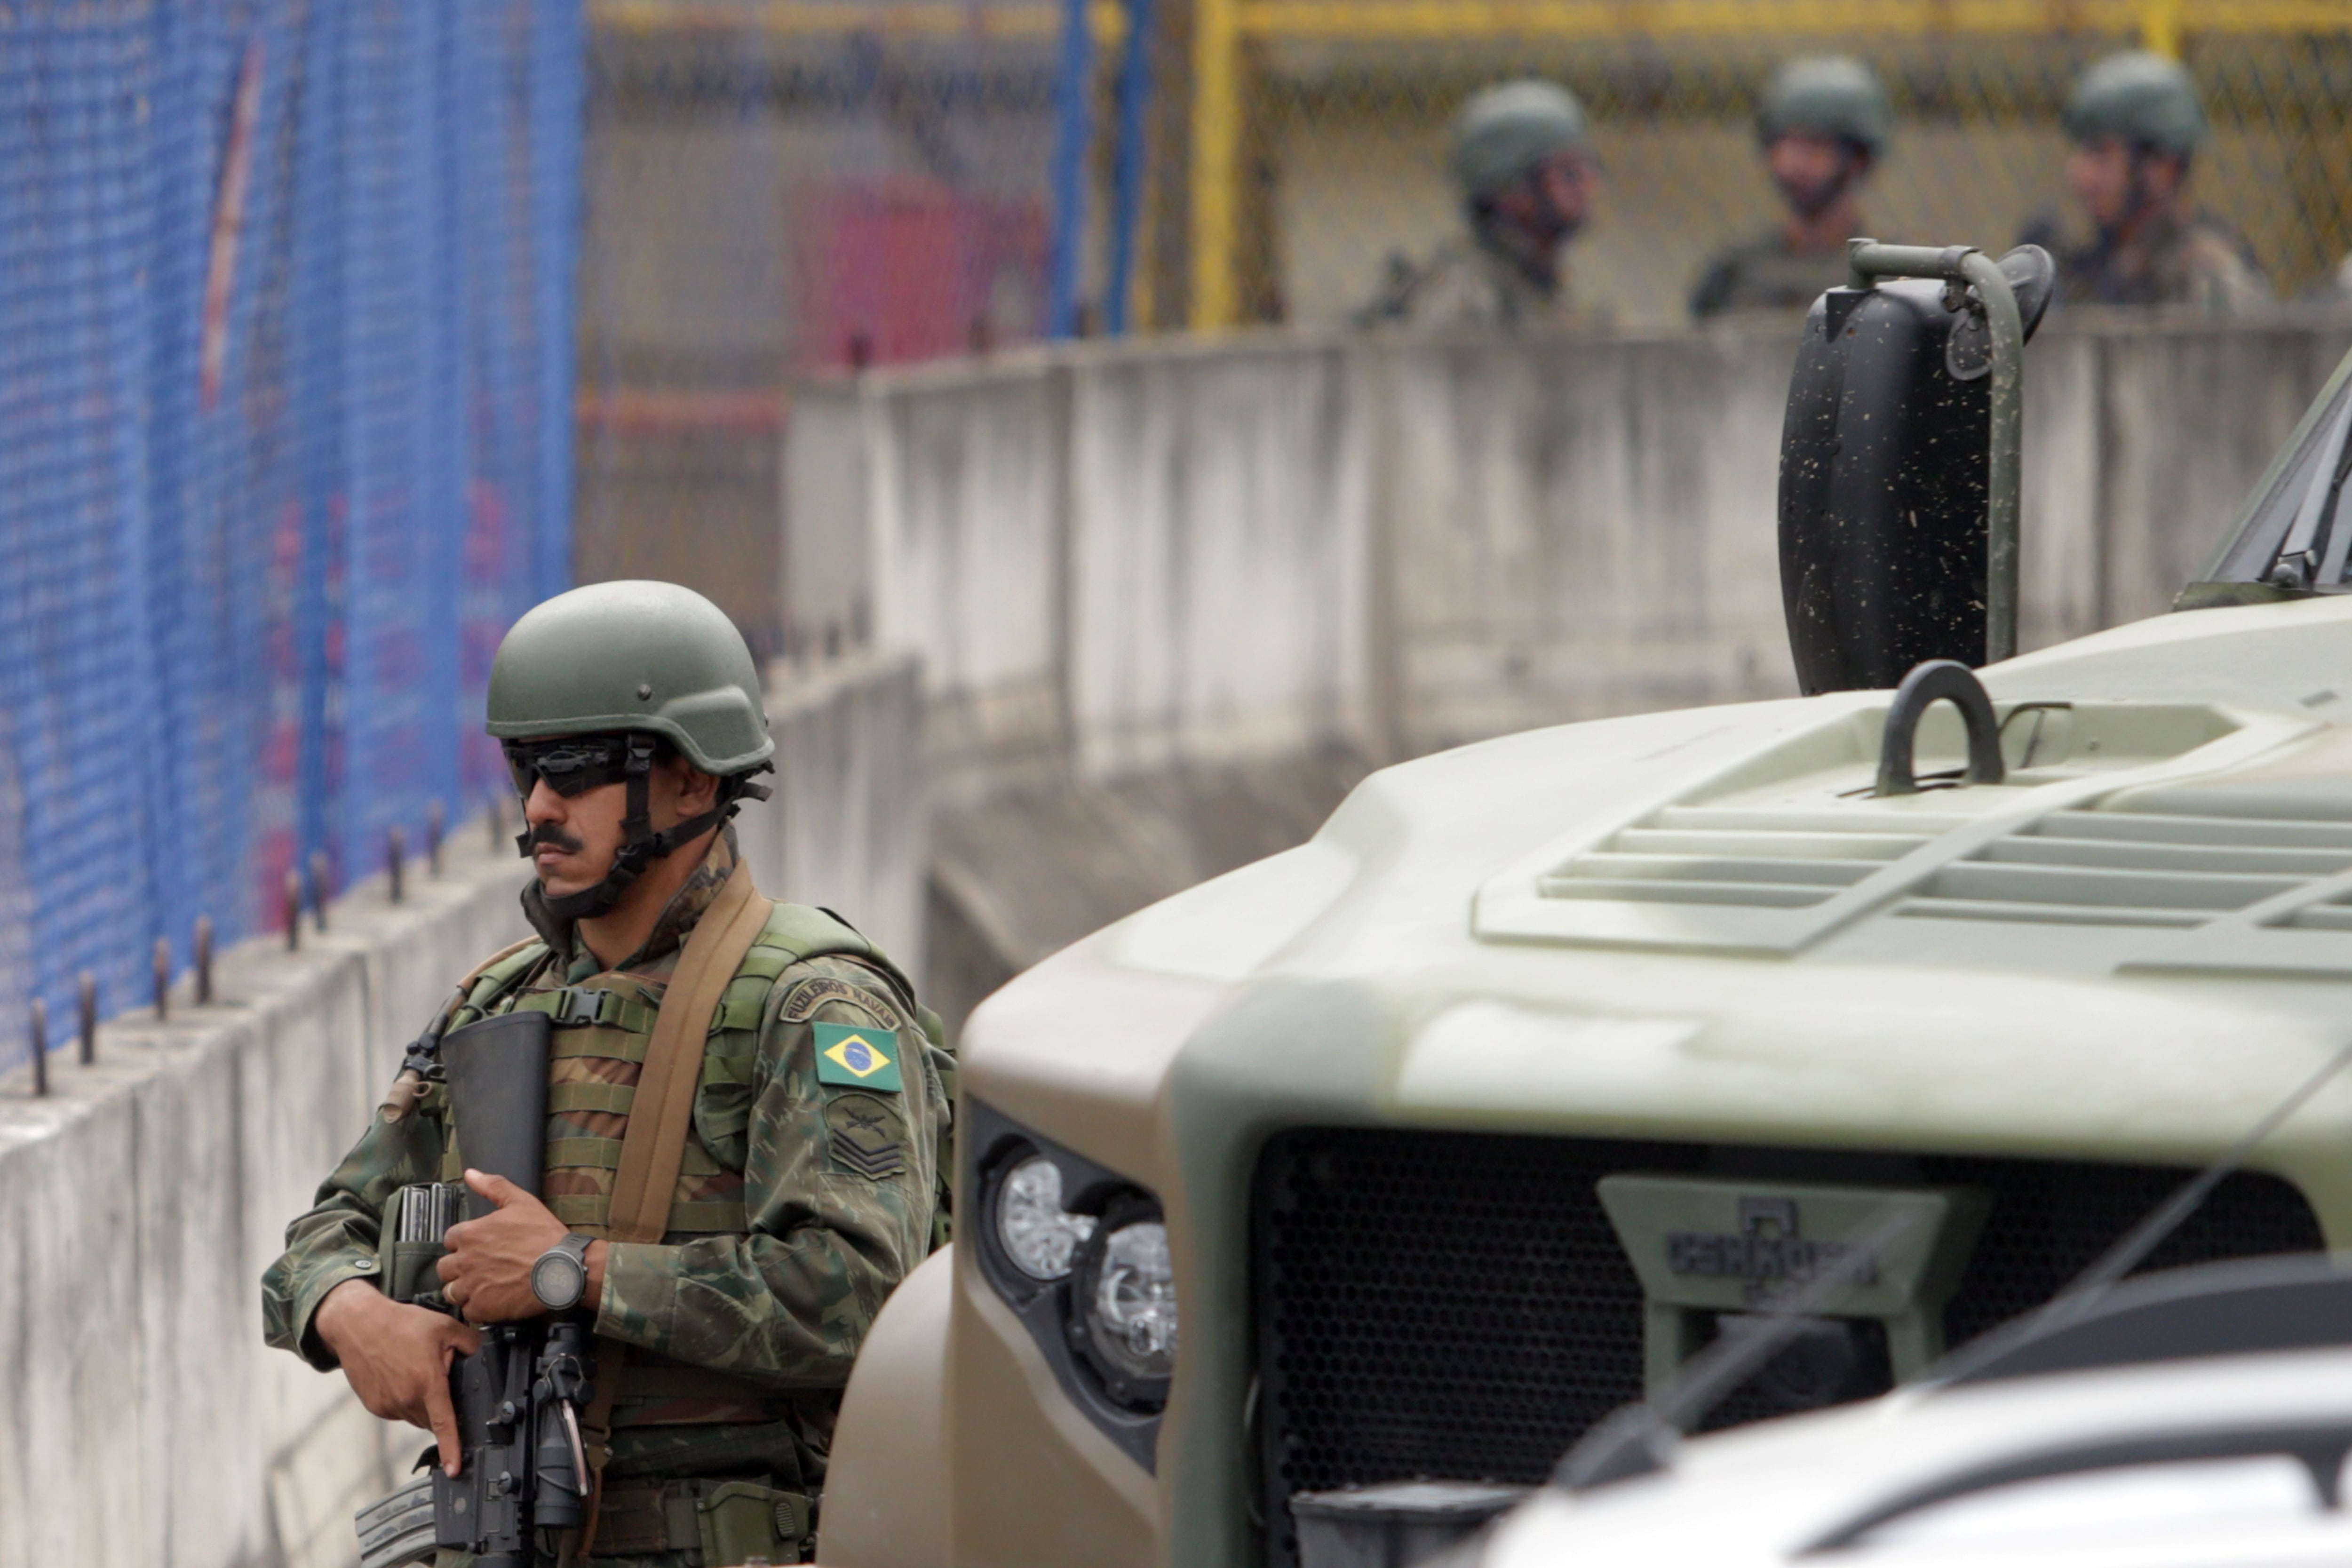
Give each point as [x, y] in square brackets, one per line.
[1128, 165]
[559, 95]
[1073, 134]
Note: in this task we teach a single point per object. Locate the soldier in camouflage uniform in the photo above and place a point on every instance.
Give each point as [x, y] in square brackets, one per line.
[1824, 126]
[632, 718]
[1523, 161]
[2136, 124]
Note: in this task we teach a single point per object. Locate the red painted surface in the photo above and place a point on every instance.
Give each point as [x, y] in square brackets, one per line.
[910, 269]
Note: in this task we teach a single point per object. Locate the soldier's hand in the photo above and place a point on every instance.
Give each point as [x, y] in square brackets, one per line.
[487, 1272]
[397, 1358]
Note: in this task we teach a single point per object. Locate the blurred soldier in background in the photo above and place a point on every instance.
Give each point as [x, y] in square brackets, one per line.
[1824, 126]
[2135, 122]
[1523, 159]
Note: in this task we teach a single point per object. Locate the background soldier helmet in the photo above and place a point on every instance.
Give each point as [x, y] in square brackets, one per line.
[1830, 95]
[1505, 131]
[2147, 100]
[639, 663]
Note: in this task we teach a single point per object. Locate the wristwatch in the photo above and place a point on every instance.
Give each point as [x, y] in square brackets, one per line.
[559, 1278]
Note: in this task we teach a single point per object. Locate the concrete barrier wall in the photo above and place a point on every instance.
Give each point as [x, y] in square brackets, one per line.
[1580, 531]
[1217, 534]
[849, 826]
[1124, 555]
[141, 1420]
[966, 565]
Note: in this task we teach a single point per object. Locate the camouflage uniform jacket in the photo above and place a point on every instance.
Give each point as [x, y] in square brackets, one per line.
[2196, 261]
[840, 1193]
[1468, 286]
[1765, 275]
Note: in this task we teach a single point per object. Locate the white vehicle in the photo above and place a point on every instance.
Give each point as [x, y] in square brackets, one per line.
[2203, 1417]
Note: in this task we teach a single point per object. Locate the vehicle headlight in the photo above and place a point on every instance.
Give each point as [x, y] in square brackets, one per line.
[1039, 1237]
[1133, 1308]
[1125, 1292]
[1079, 1253]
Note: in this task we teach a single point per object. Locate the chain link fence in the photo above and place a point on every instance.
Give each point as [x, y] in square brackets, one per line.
[775, 189]
[286, 345]
[1340, 132]
[778, 188]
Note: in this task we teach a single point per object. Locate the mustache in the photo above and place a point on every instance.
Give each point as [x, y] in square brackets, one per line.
[553, 836]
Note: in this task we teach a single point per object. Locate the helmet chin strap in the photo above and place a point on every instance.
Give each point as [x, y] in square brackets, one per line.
[640, 844]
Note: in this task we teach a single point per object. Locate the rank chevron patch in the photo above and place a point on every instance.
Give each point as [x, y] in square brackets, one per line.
[865, 1136]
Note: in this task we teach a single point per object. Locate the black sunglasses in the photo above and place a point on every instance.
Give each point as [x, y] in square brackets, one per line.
[572, 765]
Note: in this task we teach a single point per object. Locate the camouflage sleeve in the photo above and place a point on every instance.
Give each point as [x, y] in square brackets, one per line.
[838, 1181]
[2227, 281]
[336, 1238]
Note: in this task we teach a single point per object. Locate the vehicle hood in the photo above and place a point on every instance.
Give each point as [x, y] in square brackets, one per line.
[2053, 965]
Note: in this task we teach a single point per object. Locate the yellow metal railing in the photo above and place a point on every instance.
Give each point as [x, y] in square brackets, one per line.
[1224, 29]
[1216, 161]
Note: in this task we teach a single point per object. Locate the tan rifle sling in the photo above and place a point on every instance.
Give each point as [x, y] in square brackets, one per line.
[661, 1115]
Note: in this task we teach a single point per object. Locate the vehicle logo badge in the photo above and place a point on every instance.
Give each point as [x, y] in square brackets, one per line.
[1704, 1245]
[1766, 1253]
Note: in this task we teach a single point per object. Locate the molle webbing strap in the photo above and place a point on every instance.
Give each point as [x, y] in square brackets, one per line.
[575, 1006]
[479, 991]
[653, 1150]
[798, 932]
[511, 950]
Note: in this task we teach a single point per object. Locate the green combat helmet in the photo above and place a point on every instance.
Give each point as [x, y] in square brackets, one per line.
[586, 689]
[2146, 98]
[1505, 131]
[1828, 95]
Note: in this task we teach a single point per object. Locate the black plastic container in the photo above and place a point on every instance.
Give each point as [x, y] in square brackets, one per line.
[1882, 474]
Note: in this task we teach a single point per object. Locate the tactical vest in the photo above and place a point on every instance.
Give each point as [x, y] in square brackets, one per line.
[602, 1025]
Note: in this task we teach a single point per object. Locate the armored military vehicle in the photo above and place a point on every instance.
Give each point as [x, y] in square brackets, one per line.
[1417, 1150]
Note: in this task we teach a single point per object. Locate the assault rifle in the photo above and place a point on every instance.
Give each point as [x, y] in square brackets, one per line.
[519, 1397]
[525, 1475]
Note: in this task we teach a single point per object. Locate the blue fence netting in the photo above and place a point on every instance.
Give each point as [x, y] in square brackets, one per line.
[285, 402]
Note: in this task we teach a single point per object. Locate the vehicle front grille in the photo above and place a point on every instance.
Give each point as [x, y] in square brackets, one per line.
[1457, 1305]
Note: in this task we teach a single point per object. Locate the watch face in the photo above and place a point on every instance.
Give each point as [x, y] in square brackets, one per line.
[558, 1280]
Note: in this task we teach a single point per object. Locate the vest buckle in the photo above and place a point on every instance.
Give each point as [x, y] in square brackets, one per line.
[577, 1009]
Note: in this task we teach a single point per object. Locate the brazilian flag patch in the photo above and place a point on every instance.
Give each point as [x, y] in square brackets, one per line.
[867, 1057]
